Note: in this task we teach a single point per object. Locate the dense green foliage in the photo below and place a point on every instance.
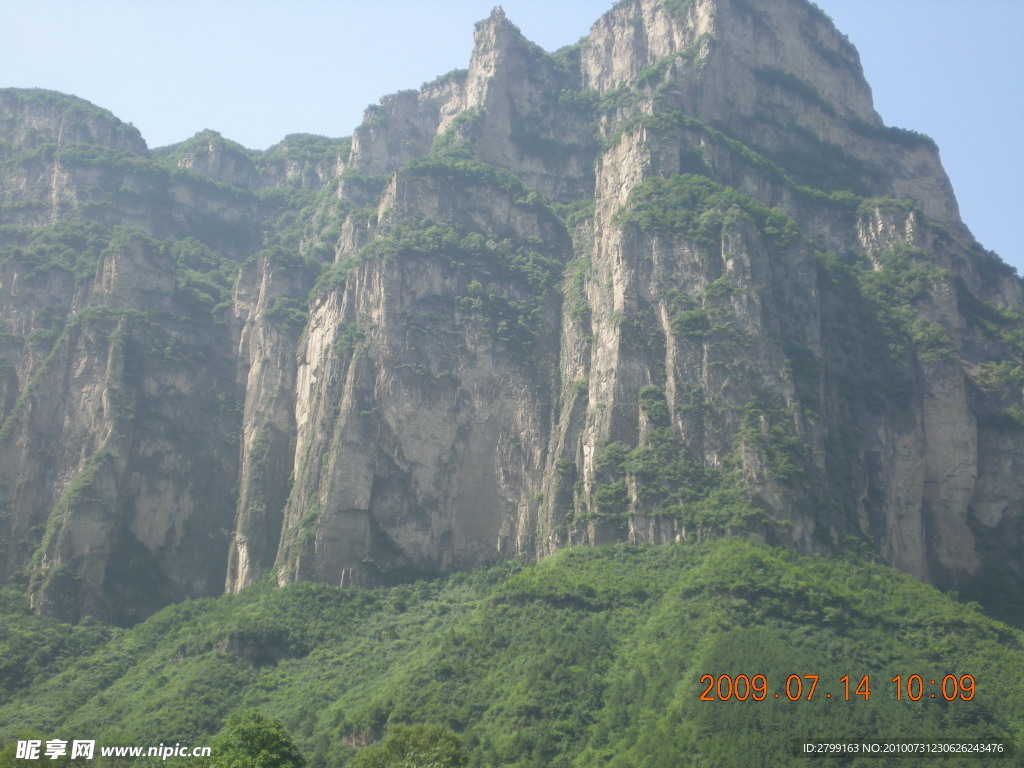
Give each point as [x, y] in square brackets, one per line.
[36, 646]
[204, 276]
[458, 168]
[72, 247]
[520, 260]
[662, 477]
[593, 657]
[906, 275]
[416, 746]
[250, 740]
[702, 211]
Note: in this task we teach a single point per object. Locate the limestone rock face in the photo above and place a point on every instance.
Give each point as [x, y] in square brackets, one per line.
[37, 118]
[118, 459]
[676, 281]
[208, 154]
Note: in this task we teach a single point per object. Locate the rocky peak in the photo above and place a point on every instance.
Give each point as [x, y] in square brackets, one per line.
[497, 23]
[32, 117]
[637, 34]
[723, 38]
[210, 154]
[498, 47]
[781, 79]
[304, 160]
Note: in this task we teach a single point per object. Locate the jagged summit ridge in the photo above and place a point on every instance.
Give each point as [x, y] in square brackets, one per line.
[675, 281]
[785, 82]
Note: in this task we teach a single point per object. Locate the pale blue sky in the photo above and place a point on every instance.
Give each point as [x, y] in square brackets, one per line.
[257, 70]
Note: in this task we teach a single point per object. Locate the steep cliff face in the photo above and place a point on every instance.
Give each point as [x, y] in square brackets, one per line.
[782, 80]
[120, 409]
[424, 383]
[266, 350]
[118, 455]
[675, 281]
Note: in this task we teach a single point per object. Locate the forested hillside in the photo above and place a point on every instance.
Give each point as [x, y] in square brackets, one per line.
[593, 657]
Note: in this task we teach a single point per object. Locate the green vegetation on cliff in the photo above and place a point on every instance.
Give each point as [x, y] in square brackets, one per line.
[702, 211]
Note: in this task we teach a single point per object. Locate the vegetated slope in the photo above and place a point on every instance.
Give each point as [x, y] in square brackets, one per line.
[593, 657]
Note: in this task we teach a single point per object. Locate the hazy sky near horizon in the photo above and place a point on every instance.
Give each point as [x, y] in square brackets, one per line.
[257, 70]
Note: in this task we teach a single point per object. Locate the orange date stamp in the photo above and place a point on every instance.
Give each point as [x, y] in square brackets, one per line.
[806, 688]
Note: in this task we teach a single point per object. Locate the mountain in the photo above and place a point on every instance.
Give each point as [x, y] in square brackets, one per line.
[674, 281]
